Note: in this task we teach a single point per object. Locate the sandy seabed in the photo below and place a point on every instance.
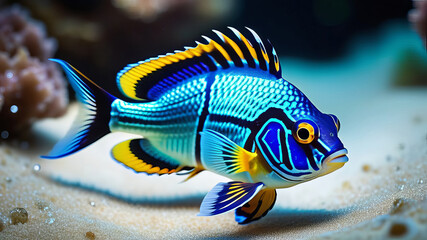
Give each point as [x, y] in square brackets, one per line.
[380, 193]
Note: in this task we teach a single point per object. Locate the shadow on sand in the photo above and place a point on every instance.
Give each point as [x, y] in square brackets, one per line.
[279, 220]
[189, 200]
[282, 220]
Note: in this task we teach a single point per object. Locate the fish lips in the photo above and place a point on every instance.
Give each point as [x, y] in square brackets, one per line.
[339, 156]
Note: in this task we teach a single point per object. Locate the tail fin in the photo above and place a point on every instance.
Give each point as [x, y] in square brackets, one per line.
[93, 120]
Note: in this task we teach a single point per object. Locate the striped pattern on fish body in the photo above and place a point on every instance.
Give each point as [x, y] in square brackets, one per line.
[221, 106]
[170, 123]
[234, 104]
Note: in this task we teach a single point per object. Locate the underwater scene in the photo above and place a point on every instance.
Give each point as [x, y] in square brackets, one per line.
[223, 119]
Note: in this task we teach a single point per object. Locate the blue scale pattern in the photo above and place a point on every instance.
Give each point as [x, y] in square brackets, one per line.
[169, 123]
[244, 97]
[237, 96]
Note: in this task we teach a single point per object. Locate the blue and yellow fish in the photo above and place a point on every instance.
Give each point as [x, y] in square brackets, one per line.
[221, 106]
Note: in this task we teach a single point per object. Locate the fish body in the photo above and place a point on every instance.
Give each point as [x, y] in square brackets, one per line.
[221, 106]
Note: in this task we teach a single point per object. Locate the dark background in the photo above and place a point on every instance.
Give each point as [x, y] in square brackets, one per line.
[100, 39]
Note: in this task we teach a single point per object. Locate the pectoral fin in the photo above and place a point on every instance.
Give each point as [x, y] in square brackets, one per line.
[225, 197]
[257, 207]
[221, 155]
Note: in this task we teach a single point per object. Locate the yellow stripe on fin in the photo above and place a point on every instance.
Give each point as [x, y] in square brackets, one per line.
[152, 78]
[221, 155]
[246, 42]
[218, 200]
[257, 207]
[132, 153]
[219, 47]
[230, 42]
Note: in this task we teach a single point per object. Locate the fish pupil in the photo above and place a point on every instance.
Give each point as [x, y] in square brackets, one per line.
[303, 133]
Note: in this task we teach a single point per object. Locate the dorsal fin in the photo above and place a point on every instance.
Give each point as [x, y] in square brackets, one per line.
[148, 80]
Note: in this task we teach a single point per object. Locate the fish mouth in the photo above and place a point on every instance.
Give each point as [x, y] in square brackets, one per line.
[335, 161]
[339, 156]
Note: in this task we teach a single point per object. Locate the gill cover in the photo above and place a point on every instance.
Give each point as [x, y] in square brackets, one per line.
[281, 151]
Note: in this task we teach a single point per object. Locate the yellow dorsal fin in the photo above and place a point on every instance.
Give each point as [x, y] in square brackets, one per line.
[150, 79]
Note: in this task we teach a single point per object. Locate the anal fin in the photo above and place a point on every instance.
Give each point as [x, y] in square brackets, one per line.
[257, 207]
[225, 197]
[139, 155]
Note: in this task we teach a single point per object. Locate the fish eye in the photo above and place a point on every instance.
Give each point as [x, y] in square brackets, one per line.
[336, 121]
[305, 131]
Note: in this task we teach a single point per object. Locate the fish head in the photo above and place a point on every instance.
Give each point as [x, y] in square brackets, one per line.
[303, 148]
[317, 135]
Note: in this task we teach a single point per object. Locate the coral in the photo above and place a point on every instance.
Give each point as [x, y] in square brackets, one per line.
[150, 10]
[411, 69]
[147, 10]
[418, 17]
[31, 87]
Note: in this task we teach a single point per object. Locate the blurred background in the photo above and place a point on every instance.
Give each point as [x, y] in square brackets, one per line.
[100, 37]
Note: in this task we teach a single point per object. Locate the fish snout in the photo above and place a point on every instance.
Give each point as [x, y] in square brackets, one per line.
[339, 156]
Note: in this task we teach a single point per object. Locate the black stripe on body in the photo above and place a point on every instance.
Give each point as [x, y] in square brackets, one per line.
[202, 119]
[286, 159]
[309, 153]
[254, 126]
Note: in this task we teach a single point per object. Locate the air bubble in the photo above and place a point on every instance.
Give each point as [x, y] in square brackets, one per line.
[50, 220]
[92, 204]
[8, 179]
[420, 181]
[4, 134]
[9, 74]
[36, 167]
[13, 109]
[41, 204]
[18, 215]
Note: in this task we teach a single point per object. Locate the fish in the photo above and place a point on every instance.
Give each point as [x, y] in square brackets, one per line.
[221, 106]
